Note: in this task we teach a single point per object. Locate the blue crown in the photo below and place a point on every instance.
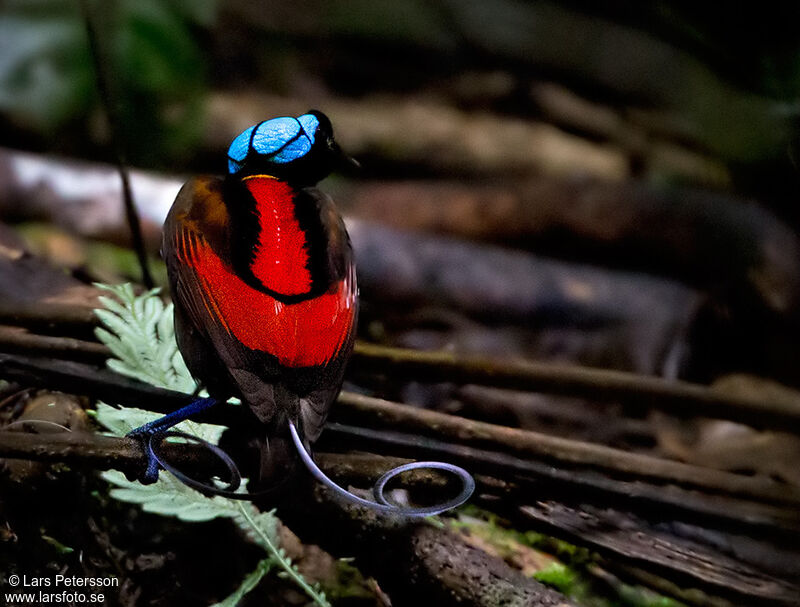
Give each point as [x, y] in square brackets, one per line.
[280, 140]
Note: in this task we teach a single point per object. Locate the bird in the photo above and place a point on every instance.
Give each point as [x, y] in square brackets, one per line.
[263, 280]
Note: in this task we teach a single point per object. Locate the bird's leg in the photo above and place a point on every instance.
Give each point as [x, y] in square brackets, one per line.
[145, 432]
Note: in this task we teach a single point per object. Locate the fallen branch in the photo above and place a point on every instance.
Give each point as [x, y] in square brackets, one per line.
[745, 249]
[633, 319]
[565, 452]
[527, 477]
[95, 451]
[678, 398]
[666, 555]
[415, 563]
[472, 574]
[99, 452]
[618, 536]
[14, 339]
[571, 467]
[83, 379]
[49, 318]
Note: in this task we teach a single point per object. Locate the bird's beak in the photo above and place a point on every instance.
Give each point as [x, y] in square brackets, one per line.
[344, 162]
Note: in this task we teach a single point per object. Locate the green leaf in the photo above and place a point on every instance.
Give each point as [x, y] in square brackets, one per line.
[248, 584]
[60, 548]
[169, 497]
[140, 332]
[152, 53]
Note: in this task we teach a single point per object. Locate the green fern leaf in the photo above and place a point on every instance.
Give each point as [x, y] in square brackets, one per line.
[140, 332]
[248, 584]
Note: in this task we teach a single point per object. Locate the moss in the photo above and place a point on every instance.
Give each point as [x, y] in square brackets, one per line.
[570, 569]
[349, 583]
[557, 575]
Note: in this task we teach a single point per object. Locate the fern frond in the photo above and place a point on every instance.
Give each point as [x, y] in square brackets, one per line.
[140, 332]
[279, 555]
[248, 584]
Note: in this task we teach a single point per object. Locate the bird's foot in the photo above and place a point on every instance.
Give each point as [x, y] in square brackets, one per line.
[150, 474]
[157, 429]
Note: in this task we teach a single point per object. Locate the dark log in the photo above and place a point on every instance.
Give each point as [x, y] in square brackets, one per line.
[594, 316]
[597, 317]
[567, 416]
[689, 564]
[88, 380]
[83, 379]
[530, 477]
[82, 197]
[687, 96]
[428, 135]
[499, 496]
[395, 417]
[94, 451]
[49, 318]
[50, 412]
[680, 399]
[719, 242]
[16, 340]
[415, 563]
[567, 467]
[690, 104]
[612, 533]
[434, 561]
[25, 278]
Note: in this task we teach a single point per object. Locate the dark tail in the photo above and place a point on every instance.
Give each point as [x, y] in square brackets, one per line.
[278, 461]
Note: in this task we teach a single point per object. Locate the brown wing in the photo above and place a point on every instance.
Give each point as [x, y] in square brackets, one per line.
[280, 358]
[341, 267]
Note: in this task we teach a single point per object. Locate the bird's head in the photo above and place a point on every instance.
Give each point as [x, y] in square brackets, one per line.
[299, 150]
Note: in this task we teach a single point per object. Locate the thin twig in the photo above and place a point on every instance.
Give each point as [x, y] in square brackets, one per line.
[529, 480]
[13, 339]
[97, 451]
[101, 60]
[564, 452]
[678, 398]
[578, 466]
[50, 318]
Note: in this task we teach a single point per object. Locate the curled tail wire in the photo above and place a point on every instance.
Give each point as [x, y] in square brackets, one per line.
[155, 433]
[382, 504]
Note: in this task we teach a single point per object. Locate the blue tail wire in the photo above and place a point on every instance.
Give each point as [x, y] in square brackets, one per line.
[159, 429]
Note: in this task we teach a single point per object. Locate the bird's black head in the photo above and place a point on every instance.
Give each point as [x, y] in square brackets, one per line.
[299, 150]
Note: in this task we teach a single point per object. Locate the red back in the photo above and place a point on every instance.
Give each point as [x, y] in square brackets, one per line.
[280, 262]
